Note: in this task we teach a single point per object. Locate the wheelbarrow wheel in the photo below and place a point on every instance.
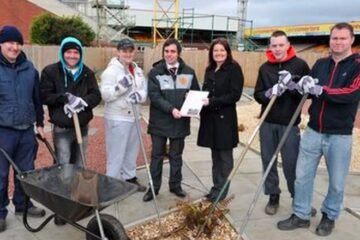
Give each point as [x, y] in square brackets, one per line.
[113, 229]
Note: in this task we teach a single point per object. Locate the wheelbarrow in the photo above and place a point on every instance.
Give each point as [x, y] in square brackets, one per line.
[53, 187]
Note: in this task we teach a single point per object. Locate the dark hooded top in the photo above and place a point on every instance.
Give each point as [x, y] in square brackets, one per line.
[285, 105]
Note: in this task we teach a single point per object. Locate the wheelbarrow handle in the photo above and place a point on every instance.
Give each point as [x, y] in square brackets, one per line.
[38, 136]
[48, 146]
[10, 160]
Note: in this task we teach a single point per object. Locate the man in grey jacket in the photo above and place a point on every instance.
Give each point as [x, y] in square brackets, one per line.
[169, 81]
[123, 86]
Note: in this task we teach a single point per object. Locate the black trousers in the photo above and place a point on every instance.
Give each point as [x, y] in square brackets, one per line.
[270, 135]
[175, 160]
[222, 164]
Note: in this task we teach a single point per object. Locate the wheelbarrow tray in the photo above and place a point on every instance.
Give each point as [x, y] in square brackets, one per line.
[51, 186]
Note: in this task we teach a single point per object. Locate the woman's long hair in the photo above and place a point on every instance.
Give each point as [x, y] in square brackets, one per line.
[225, 44]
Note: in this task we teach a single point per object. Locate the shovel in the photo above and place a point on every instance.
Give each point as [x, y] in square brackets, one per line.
[79, 137]
[84, 185]
[138, 128]
[266, 173]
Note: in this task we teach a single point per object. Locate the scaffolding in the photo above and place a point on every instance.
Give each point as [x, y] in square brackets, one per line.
[241, 14]
[187, 22]
[166, 20]
[111, 16]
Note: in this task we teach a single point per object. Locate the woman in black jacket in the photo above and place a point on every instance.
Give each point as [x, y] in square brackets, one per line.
[218, 120]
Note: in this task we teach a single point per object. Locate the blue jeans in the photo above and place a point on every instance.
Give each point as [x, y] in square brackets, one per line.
[67, 149]
[336, 150]
[21, 146]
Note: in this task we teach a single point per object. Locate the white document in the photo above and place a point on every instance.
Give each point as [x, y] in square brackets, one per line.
[193, 103]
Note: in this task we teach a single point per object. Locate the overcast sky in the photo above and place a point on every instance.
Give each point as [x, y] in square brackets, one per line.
[274, 12]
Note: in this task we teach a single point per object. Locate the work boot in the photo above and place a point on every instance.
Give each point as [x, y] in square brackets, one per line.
[293, 222]
[209, 197]
[178, 192]
[149, 196]
[141, 188]
[273, 204]
[325, 226]
[59, 221]
[2, 225]
[32, 212]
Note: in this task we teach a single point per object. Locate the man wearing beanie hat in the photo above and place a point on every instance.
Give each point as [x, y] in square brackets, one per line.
[66, 87]
[20, 109]
[11, 34]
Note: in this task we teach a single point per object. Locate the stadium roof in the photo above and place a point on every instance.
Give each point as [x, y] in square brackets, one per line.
[298, 30]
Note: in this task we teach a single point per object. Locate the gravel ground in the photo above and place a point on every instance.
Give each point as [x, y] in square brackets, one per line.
[95, 152]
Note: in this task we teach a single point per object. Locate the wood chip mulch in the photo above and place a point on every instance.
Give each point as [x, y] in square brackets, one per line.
[174, 228]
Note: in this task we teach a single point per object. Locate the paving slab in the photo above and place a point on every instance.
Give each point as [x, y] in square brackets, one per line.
[197, 179]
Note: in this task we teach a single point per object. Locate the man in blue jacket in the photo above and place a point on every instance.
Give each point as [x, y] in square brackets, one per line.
[20, 108]
[329, 133]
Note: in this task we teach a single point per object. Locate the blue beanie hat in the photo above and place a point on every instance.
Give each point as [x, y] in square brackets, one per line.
[11, 34]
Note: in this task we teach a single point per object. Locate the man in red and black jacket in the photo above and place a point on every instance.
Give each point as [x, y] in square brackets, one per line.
[335, 89]
[282, 64]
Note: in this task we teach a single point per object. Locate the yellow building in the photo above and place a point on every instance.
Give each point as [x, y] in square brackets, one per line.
[298, 30]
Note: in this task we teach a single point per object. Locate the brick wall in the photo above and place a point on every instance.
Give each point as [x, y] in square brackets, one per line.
[19, 13]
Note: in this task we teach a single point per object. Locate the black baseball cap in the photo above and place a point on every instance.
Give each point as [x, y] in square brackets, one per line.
[125, 43]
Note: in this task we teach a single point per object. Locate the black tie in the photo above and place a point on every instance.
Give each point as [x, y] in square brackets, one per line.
[173, 71]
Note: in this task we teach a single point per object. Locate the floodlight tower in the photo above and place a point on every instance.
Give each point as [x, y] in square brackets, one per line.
[241, 14]
[166, 20]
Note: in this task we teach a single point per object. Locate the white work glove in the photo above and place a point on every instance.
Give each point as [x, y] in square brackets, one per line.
[125, 82]
[317, 90]
[134, 97]
[306, 84]
[276, 90]
[74, 105]
[285, 79]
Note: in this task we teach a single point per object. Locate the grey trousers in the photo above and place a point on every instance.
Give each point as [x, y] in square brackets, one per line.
[175, 160]
[122, 149]
[222, 164]
[270, 135]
